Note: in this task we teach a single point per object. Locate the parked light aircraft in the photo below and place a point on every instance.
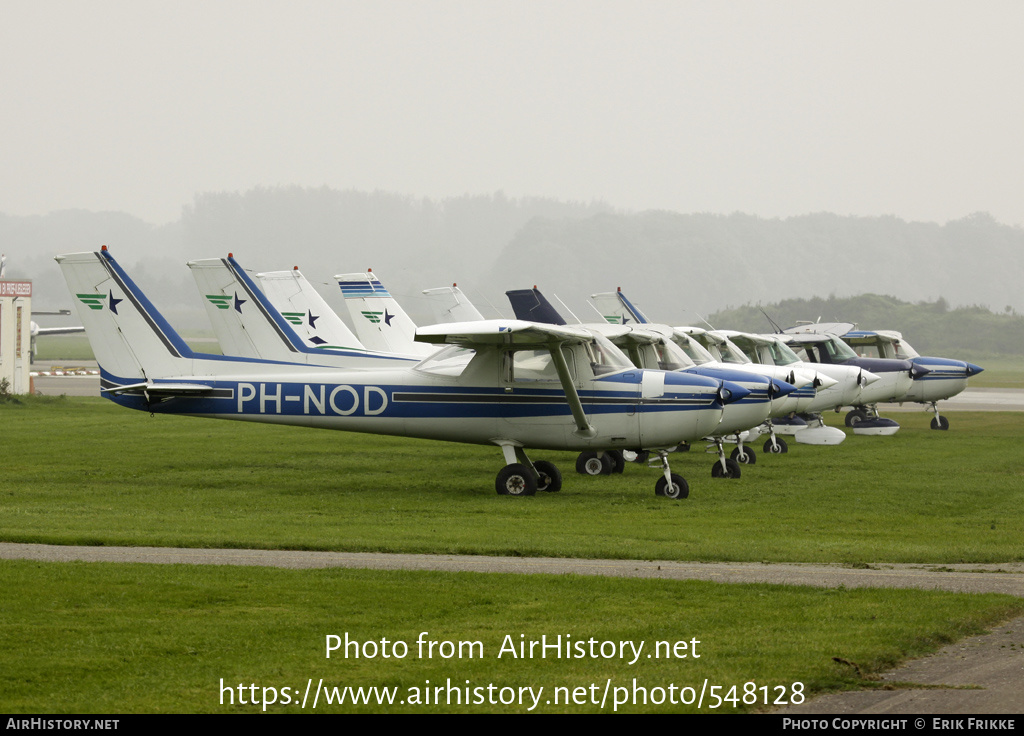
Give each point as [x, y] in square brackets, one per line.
[712, 348]
[945, 377]
[249, 325]
[509, 383]
[651, 347]
[895, 376]
[37, 331]
[380, 321]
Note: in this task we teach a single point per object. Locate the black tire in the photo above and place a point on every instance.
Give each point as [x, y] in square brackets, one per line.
[940, 423]
[679, 489]
[588, 463]
[618, 462]
[779, 448]
[746, 458]
[731, 470]
[855, 416]
[549, 477]
[516, 480]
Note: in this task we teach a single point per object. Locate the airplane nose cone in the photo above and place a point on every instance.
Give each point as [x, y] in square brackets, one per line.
[918, 371]
[973, 370]
[731, 392]
[778, 389]
[867, 378]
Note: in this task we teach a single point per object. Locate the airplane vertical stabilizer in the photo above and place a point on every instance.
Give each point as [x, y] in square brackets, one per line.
[129, 337]
[532, 306]
[244, 327]
[617, 309]
[451, 305]
[306, 311]
[380, 322]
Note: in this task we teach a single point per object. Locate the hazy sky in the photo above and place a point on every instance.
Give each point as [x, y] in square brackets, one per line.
[914, 109]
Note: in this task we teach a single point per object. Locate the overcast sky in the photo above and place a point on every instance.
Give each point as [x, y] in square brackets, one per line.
[914, 109]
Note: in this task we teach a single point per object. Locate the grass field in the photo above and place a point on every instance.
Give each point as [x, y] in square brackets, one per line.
[127, 478]
[118, 638]
[107, 638]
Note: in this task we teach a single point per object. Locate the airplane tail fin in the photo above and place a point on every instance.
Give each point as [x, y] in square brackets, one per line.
[617, 309]
[532, 306]
[245, 322]
[381, 323]
[129, 337]
[306, 311]
[451, 305]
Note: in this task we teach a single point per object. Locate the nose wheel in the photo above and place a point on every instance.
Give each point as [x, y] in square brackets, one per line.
[670, 485]
[938, 422]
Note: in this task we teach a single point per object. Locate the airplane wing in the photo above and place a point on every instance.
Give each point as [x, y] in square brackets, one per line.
[501, 332]
[58, 330]
[498, 332]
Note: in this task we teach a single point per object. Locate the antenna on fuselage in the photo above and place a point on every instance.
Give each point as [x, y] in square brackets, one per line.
[773, 323]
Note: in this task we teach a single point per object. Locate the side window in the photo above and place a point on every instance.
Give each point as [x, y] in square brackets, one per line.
[537, 365]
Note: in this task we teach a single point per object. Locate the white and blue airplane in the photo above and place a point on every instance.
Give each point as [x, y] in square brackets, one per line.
[714, 349]
[297, 327]
[896, 377]
[379, 319]
[652, 346]
[945, 377]
[512, 384]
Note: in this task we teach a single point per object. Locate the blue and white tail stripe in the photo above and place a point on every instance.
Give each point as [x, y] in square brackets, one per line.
[363, 289]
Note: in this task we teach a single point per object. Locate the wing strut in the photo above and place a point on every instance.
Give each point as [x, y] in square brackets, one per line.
[583, 427]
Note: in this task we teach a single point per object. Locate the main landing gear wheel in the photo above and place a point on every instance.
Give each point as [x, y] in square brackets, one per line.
[618, 461]
[731, 469]
[779, 447]
[745, 456]
[549, 478]
[855, 416]
[516, 480]
[588, 463]
[940, 423]
[678, 489]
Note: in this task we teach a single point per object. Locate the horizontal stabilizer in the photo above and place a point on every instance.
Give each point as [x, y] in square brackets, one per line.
[149, 388]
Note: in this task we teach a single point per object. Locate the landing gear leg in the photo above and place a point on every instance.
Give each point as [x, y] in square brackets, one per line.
[743, 454]
[670, 485]
[938, 422]
[520, 477]
[724, 467]
[774, 445]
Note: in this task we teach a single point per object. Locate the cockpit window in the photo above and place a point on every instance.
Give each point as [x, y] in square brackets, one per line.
[449, 361]
[605, 357]
[839, 350]
[694, 350]
[538, 365]
[782, 354]
[732, 354]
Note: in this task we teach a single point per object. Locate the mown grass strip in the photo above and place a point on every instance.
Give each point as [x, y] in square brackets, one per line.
[82, 471]
[121, 638]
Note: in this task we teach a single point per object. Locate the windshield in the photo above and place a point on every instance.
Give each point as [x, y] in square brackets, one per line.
[693, 349]
[732, 354]
[838, 349]
[449, 361]
[782, 354]
[605, 357]
[671, 357]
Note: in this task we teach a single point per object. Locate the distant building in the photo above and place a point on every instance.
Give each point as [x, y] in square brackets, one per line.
[16, 335]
